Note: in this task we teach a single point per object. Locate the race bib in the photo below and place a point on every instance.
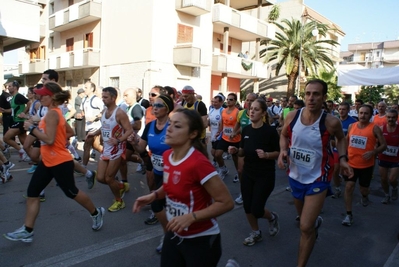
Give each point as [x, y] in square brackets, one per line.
[358, 141]
[391, 151]
[157, 162]
[214, 123]
[303, 157]
[105, 135]
[228, 131]
[174, 209]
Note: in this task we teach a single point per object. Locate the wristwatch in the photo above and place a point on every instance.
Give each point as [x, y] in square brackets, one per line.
[31, 128]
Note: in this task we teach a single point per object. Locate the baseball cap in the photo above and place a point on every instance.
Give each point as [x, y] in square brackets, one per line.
[81, 90]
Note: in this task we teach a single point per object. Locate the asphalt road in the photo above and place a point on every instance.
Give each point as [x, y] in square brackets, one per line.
[63, 235]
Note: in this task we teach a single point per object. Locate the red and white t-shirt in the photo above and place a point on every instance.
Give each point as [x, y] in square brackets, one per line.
[183, 184]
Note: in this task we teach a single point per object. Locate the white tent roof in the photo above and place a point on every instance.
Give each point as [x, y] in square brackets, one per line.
[380, 76]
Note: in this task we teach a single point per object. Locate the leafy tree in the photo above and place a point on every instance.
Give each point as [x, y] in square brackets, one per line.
[290, 40]
[274, 14]
[331, 78]
[392, 93]
[371, 93]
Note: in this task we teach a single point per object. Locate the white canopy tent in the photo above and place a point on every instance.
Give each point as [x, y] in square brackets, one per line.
[380, 76]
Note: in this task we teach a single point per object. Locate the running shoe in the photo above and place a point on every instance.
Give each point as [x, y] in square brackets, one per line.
[78, 159]
[98, 219]
[386, 200]
[159, 247]
[7, 167]
[337, 193]
[20, 235]
[91, 180]
[32, 169]
[141, 168]
[232, 263]
[274, 227]
[365, 201]
[288, 188]
[118, 205]
[93, 154]
[25, 157]
[151, 220]
[253, 238]
[394, 193]
[215, 164]
[348, 221]
[226, 156]
[235, 180]
[126, 188]
[223, 172]
[239, 200]
[3, 178]
[318, 223]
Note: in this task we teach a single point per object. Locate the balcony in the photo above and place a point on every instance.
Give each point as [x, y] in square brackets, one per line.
[36, 66]
[75, 16]
[232, 65]
[77, 59]
[194, 7]
[242, 26]
[187, 56]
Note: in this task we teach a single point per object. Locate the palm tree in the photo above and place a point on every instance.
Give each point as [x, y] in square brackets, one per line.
[331, 78]
[290, 40]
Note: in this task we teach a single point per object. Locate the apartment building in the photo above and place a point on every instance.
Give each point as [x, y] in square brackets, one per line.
[19, 26]
[372, 55]
[139, 43]
[276, 86]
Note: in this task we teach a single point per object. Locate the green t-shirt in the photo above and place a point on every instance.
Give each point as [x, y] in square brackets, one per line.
[18, 104]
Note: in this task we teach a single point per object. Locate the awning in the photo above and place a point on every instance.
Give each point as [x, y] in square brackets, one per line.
[380, 76]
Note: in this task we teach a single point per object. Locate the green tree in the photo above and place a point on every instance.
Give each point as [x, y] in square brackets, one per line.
[371, 93]
[290, 40]
[392, 93]
[274, 14]
[331, 78]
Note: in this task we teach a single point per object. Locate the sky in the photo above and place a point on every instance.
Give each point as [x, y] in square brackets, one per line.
[363, 21]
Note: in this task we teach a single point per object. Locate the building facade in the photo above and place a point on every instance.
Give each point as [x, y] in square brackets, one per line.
[128, 43]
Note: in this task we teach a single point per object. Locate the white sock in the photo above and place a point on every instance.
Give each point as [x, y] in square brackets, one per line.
[88, 174]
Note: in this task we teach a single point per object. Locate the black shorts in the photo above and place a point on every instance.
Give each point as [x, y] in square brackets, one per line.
[129, 146]
[224, 145]
[36, 143]
[18, 125]
[364, 175]
[215, 144]
[388, 164]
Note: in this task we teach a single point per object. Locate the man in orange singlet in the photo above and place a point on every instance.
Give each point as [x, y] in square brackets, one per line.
[365, 141]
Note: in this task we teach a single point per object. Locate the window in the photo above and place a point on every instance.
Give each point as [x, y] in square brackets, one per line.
[69, 45]
[378, 54]
[68, 85]
[88, 41]
[184, 34]
[37, 54]
[114, 82]
[51, 8]
[70, 2]
[51, 43]
[228, 48]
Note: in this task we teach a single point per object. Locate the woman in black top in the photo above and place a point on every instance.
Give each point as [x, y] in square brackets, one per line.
[260, 148]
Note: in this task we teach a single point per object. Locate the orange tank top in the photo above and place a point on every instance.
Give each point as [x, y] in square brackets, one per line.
[56, 153]
[149, 115]
[361, 141]
[229, 121]
[380, 121]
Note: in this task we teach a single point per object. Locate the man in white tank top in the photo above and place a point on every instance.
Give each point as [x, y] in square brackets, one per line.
[304, 143]
[115, 129]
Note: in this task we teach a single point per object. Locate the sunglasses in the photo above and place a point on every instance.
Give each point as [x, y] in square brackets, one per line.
[153, 94]
[230, 99]
[158, 105]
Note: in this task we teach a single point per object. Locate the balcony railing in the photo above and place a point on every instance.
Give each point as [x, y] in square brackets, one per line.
[242, 26]
[77, 59]
[32, 66]
[194, 7]
[187, 56]
[75, 15]
[234, 67]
